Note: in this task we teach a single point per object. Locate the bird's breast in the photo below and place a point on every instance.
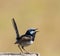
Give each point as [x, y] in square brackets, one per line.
[31, 42]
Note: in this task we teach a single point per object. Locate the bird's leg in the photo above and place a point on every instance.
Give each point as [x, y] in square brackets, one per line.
[25, 50]
[20, 48]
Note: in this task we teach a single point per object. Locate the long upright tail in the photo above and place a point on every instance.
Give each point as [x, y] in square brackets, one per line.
[15, 27]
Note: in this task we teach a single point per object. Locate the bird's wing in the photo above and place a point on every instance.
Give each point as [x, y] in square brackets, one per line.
[26, 38]
[15, 27]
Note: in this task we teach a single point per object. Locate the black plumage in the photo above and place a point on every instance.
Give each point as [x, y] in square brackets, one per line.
[25, 39]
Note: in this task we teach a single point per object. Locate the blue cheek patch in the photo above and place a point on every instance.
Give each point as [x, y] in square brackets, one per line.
[32, 32]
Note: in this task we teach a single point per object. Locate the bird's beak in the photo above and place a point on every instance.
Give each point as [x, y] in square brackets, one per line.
[36, 30]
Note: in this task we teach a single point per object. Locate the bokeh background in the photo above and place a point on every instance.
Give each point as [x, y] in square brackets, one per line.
[41, 14]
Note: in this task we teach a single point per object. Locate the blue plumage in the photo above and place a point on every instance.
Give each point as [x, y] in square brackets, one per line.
[25, 39]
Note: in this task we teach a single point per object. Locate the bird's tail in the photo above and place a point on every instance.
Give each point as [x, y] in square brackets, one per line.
[15, 27]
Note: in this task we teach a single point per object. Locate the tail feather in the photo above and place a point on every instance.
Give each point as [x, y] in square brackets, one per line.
[15, 27]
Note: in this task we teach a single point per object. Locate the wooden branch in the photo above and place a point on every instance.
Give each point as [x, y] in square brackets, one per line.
[19, 54]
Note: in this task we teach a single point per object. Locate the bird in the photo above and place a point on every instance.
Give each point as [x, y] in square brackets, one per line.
[25, 39]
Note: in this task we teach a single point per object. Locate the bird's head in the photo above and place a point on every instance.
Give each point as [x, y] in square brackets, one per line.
[31, 31]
